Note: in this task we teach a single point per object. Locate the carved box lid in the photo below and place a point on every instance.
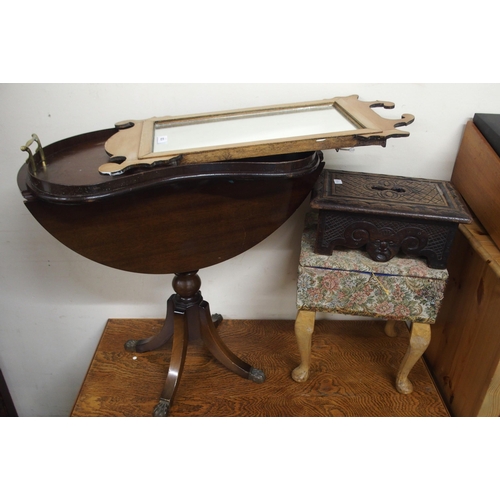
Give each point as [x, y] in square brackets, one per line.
[388, 195]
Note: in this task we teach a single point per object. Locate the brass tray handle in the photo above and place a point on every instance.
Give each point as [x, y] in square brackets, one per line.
[31, 158]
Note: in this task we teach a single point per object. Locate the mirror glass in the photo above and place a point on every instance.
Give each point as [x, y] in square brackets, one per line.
[187, 134]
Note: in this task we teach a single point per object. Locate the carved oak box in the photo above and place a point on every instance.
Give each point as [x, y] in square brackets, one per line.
[387, 215]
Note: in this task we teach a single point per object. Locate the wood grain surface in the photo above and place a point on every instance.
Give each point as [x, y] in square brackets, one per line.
[464, 354]
[353, 369]
[476, 175]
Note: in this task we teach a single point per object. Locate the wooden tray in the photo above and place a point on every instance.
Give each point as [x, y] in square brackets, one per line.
[162, 220]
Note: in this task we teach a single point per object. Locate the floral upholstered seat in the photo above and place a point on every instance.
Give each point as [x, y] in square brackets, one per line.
[350, 282]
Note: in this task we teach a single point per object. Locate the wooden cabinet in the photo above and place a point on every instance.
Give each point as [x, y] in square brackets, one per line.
[464, 354]
[476, 175]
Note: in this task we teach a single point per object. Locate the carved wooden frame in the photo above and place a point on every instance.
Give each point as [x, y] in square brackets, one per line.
[132, 146]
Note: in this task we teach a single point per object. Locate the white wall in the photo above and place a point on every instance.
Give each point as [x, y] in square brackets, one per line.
[55, 304]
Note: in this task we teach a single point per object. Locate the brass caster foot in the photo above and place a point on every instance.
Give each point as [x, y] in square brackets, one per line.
[162, 408]
[256, 376]
[216, 319]
[130, 345]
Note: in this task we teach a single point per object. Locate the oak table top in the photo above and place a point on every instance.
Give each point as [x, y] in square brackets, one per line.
[356, 365]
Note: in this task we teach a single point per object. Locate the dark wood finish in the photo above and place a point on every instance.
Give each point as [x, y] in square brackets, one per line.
[177, 359]
[70, 174]
[464, 353]
[354, 368]
[387, 215]
[166, 220]
[188, 317]
[476, 175]
[170, 225]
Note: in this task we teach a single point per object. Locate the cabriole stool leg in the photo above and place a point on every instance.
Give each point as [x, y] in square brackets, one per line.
[390, 328]
[304, 327]
[420, 337]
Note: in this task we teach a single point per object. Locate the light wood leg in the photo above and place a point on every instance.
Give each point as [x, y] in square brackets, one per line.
[390, 328]
[420, 337]
[304, 327]
[394, 328]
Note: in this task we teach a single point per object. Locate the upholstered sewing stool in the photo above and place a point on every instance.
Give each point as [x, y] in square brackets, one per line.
[401, 291]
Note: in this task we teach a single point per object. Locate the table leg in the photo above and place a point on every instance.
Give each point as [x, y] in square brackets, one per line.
[161, 338]
[220, 351]
[188, 316]
[177, 359]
